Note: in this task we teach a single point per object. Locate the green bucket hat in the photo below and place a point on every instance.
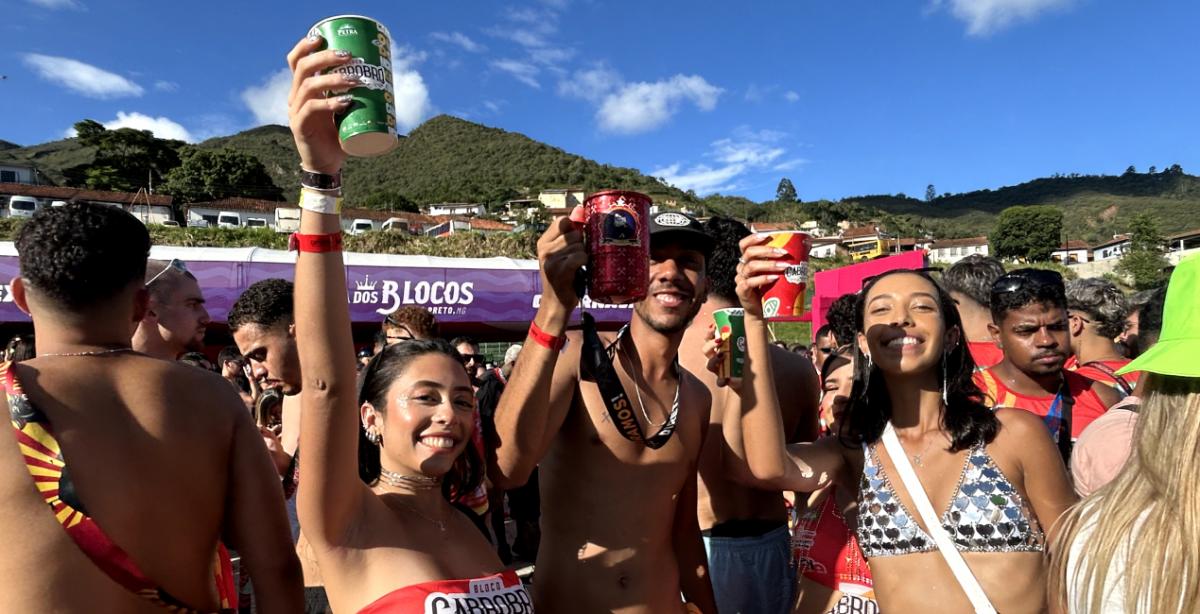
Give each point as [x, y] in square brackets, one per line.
[1179, 343]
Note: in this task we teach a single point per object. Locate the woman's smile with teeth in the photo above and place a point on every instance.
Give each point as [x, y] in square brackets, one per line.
[438, 442]
[903, 341]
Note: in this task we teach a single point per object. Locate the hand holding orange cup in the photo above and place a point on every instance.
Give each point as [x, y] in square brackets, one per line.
[783, 301]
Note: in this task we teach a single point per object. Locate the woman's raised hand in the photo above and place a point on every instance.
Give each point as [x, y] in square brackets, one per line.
[312, 104]
[759, 267]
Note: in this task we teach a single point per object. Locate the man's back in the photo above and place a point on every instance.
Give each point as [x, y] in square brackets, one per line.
[611, 507]
[161, 456]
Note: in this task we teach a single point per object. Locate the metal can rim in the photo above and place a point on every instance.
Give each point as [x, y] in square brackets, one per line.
[378, 24]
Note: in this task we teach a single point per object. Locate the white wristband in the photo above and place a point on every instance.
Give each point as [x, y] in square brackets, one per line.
[319, 202]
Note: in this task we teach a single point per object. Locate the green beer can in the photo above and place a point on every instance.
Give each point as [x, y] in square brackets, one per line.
[368, 126]
[731, 330]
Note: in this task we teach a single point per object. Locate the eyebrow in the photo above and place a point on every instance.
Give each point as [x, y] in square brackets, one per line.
[439, 386]
[892, 296]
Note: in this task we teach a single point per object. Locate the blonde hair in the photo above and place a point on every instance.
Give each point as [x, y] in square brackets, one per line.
[1149, 514]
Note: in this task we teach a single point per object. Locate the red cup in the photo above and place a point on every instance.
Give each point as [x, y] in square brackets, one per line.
[618, 244]
[783, 301]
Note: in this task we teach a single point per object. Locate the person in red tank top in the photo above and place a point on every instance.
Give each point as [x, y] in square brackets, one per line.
[969, 282]
[1030, 324]
[1098, 312]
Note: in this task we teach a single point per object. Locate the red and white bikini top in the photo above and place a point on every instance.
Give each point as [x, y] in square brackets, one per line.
[501, 593]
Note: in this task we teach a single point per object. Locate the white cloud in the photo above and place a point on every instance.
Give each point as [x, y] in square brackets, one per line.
[756, 93]
[82, 78]
[268, 100]
[643, 106]
[521, 71]
[592, 84]
[493, 105]
[791, 96]
[984, 17]
[58, 4]
[460, 39]
[162, 127]
[166, 86]
[747, 151]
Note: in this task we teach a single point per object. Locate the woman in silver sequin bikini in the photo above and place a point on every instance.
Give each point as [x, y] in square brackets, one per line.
[994, 476]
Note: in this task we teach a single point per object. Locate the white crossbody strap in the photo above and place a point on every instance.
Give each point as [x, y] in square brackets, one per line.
[945, 545]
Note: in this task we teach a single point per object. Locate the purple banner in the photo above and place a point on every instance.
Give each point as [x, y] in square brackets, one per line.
[491, 296]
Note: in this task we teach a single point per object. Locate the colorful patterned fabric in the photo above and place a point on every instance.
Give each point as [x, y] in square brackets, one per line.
[44, 460]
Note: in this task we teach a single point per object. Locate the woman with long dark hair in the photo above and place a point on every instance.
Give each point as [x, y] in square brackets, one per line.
[915, 418]
[382, 459]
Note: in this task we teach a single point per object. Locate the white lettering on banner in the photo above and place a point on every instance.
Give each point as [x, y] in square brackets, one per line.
[493, 598]
[439, 297]
[586, 303]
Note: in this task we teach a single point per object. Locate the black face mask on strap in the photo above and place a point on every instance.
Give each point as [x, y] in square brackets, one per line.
[595, 363]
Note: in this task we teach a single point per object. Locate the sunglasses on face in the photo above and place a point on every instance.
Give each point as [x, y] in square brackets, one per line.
[469, 358]
[175, 264]
[1022, 278]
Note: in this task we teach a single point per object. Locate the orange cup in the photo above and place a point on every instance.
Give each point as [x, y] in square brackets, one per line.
[783, 301]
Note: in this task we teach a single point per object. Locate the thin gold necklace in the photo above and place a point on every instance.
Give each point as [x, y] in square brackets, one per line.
[419, 482]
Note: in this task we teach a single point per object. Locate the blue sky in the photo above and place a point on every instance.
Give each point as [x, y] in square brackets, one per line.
[844, 98]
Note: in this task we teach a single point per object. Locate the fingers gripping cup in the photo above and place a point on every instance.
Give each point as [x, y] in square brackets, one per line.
[731, 330]
[783, 301]
[618, 245]
[368, 126]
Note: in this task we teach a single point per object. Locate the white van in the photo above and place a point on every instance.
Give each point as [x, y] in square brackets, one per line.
[22, 206]
[360, 226]
[287, 219]
[229, 219]
[256, 222]
[59, 203]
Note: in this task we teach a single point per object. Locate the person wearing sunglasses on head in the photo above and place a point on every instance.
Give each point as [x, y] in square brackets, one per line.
[409, 322]
[1030, 325]
[176, 319]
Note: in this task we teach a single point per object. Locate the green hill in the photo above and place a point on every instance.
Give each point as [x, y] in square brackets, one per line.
[447, 159]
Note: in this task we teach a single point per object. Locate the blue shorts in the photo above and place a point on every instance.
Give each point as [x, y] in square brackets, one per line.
[752, 575]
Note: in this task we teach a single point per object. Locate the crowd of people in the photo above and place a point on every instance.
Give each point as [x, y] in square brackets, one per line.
[972, 439]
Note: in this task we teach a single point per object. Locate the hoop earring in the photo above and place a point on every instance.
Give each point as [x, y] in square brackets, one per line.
[375, 438]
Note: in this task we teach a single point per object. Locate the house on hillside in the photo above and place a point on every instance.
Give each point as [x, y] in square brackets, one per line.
[949, 251]
[462, 209]
[256, 213]
[11, 172]
[445, 225]
[1072, 252]
[150, 208]
[1184, 241]
[1111, 249]
[824, 247]
[560, 198]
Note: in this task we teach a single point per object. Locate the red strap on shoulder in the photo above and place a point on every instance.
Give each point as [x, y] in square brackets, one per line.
[315, 243]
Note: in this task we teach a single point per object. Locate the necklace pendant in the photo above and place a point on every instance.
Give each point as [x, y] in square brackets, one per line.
[917, 460]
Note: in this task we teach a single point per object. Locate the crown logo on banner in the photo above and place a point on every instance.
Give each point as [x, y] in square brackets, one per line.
[366, 284]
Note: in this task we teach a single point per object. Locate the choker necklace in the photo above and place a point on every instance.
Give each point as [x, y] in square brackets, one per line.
[419, 482]
[88, 353]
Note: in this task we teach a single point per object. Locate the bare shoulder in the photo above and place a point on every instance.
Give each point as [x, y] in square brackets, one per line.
[206, 391]
[1018, 425]
[792, 369]
[693, 391]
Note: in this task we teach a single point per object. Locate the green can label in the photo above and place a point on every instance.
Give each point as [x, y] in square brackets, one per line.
[368, 127]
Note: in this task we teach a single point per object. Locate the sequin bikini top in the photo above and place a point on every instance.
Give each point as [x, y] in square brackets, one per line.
[986, 514]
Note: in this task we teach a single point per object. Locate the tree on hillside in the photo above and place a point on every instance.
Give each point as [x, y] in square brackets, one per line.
[1130, 171]
[1153, 169]
[1027, 233]
[388, 200]
[1174, 169]
[786, 192]
[126, 159]
[1144, 262]
[930, 193]
[213, 174]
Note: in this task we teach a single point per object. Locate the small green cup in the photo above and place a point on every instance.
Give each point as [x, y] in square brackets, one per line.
[368, 126]
[731, 329]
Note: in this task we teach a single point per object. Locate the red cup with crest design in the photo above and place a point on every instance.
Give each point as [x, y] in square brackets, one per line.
[618, 243]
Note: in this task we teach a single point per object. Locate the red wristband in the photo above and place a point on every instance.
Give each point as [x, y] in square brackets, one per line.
[545, 339]
[317, 244]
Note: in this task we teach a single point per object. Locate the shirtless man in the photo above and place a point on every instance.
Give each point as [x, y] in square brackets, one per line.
[619, 531]
[740, 521]
[164, 459]
[175, 319]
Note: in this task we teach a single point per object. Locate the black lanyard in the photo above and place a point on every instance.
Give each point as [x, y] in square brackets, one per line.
[595, 363]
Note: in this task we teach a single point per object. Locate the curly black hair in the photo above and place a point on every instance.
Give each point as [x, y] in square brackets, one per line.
[1102, 300]
[1150, 320]
[966, 419]
[973, 277]
[373, 385]
[265, 303]
[1026, 287]
[841, 319]
[82, 254]
[722, 263]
